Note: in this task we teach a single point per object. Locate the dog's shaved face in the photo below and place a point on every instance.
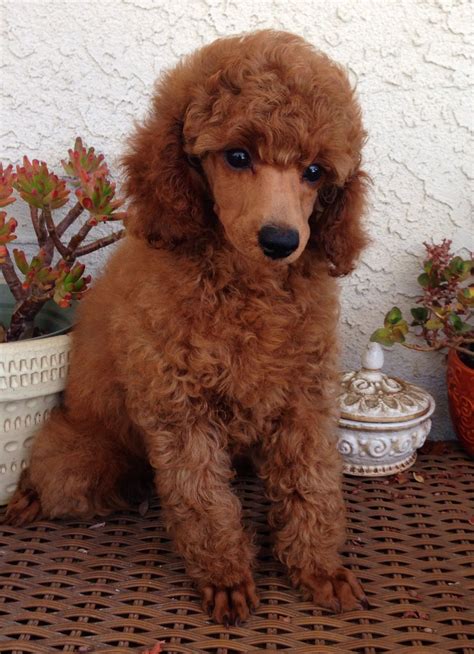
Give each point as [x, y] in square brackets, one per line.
[264, 208]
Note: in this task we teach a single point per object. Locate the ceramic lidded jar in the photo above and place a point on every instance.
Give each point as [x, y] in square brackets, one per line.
[384, 420]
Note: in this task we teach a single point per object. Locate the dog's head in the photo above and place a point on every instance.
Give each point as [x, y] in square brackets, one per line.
[261, 134]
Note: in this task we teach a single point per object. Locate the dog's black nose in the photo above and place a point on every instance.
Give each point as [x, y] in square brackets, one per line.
[278, 242]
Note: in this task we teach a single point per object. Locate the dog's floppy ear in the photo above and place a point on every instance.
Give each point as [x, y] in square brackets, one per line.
[165, 191]
[337, 231]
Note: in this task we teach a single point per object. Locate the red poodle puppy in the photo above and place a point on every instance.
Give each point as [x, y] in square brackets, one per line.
[213, 330]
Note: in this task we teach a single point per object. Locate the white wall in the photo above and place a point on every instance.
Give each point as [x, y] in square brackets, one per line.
[88, 67]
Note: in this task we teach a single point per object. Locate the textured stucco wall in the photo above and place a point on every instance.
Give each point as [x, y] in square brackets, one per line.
[88, 68]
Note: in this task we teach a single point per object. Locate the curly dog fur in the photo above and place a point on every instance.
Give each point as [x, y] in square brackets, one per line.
[195, 346]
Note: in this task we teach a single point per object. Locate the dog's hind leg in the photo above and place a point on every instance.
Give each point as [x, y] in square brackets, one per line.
[76, 471]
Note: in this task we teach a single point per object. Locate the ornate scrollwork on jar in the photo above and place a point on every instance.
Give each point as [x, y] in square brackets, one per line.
[377, 397]
[383, 419]
[378, 447]
[348, 445]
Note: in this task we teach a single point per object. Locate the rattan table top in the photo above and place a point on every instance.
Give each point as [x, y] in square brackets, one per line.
[92, 587]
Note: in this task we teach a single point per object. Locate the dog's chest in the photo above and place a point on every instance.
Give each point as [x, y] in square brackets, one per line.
[255, 348]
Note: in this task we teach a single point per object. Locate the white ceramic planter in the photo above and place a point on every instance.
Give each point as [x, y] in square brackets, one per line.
[32, 375]
[384, 420]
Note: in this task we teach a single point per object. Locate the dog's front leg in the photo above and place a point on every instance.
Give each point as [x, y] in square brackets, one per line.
[302, 471]
[192, 473]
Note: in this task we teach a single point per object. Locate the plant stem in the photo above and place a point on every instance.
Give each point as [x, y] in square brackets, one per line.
[422, 348]
[100, 243]
[62, 249]
[459, 348]
[36, 225]
[77, 239]
[11, 278]
[23, 317]
[440, 346]
[42, 233]
[69, 218]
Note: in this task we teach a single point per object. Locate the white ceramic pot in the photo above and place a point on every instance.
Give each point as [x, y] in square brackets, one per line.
[32, 375]
[384, 420]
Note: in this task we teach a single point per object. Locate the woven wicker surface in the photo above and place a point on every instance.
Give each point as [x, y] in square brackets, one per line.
[115, 587]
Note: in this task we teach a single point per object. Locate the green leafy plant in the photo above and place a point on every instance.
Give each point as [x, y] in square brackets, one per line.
[46, 276]
[443, 315]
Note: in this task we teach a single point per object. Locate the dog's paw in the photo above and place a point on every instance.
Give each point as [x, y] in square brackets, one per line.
[230, 605]
[338, 592]
[23, 508]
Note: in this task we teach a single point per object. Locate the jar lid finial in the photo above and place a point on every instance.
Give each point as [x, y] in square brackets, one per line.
[372, 359]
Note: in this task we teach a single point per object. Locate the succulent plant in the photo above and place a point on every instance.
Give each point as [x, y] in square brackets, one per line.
[40, 279]
[6, 185]
[39, 187]
[96, 195]
[7, 233]
[84, 160]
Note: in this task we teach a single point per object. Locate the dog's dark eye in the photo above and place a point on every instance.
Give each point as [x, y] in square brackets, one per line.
[312, 173]
[238, 158]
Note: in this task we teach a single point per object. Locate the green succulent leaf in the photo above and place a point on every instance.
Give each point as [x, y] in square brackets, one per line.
[393, 316]
[420, 315]
[455, 321]
[402, 326]
[398, 334]
[383, 336]
[79, 285]
[7, 228]
[424, 280]
[456, 265]
[466, 296]
[21, 261]
[467, 267]
[428, 266]
[433, 324]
